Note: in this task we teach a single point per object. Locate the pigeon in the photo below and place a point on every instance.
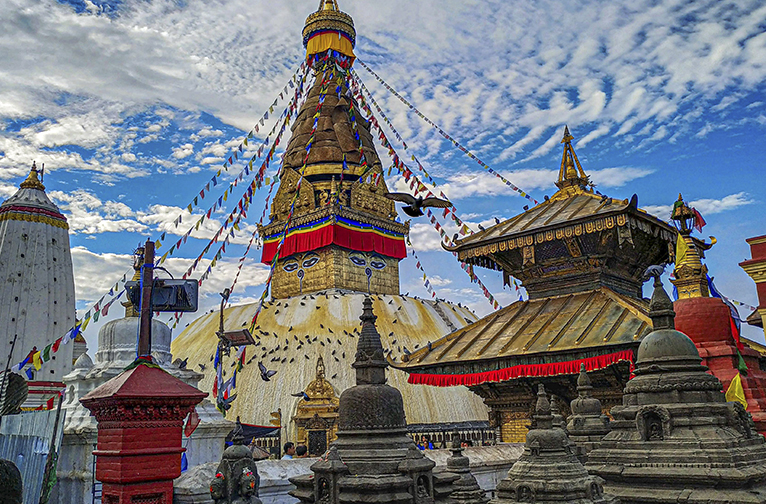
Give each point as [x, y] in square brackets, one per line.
[303, 304]
[212, 357]
[399, 308]
[333, 352]
[654, 271]
[394, 322]
[303, 395]
[183, 363]
[277, 311]
[430, 347]
[481, 228]
[406, 351]
[334, 376]
[290, 328]
[497, 221]
[317, 307]
[336, 359]
[322, 326]
[412, 205]
[225, 404]
[393, 342]
[292, 359]
[390, 334]
[330, 330]
[391, 301]
[321, 343]
[344, 355]
[265, 373]
[284, 360]
[201, 367]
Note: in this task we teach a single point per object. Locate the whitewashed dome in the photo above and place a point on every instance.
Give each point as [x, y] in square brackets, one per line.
[332, 317]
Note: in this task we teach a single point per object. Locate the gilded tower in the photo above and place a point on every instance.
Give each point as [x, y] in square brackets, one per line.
[341, 229]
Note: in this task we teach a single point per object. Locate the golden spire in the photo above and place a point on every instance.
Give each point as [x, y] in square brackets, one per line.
[329, 29]
[328, 5]
[32, 181]
[572, 178]
[689, 272]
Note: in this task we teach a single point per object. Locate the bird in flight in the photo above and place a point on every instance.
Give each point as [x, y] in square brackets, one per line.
[302, 395]
[265, 373]
[412, 205]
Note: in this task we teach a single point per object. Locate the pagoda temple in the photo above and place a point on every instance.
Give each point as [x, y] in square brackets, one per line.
[333, 239]
[581, 256]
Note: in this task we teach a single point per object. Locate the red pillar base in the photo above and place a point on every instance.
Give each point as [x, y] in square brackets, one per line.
[140, 415]
[706, 322]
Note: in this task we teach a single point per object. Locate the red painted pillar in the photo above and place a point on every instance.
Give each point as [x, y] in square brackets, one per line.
[706, 321]
[140, 415]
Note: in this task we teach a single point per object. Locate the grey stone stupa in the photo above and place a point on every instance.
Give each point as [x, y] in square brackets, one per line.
[675, 438]
[548, 472]
[588, 424]
[465, 490]
[373, 459]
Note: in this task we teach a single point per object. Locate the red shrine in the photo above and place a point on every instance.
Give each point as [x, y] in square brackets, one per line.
[140, 416]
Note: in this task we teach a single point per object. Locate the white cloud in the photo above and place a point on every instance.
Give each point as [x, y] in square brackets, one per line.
[183, 151]
[88, 214]
[706, 206]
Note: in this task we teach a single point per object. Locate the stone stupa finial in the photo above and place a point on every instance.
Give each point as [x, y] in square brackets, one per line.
[369, 361]
[543, 415]
[661, 307]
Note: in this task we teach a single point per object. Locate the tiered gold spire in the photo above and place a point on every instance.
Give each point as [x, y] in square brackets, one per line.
[32, 181]
[690, 274]
[572, 178]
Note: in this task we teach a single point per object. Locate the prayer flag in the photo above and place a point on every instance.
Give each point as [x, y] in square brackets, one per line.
[682, 250]
[37, 361]
[735, 392]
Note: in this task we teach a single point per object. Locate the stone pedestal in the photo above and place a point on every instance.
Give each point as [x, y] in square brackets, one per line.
[140, 416]
[588, 424]
[707, 322]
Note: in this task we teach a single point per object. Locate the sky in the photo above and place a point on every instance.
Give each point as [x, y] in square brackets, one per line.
[134, 105]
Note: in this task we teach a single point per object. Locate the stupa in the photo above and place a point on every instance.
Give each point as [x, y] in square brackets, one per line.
[548, 472]
[675, 438]
[708, 320]
[373, 459]
[465, 489]
[37, 277]
[588, 424]
[343, 243]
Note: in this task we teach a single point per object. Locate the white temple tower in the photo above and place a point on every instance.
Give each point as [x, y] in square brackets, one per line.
[37, 300]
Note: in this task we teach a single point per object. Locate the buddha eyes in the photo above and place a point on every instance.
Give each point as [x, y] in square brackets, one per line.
[377, 263]
[290, 266]
[307, 263]
[359, 261]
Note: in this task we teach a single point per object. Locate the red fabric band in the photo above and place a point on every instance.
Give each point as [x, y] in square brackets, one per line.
[523, 370]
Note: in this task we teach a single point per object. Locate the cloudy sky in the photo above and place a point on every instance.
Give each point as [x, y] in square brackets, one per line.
[133, 106]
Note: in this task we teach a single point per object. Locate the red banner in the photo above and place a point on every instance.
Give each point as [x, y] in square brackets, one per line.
[336, 234]
[524, 370]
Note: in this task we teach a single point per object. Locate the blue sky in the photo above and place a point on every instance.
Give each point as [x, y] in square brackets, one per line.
[133, 105]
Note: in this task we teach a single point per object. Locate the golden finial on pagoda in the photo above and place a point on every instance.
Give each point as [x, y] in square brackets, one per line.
[33, 181]
[572, 178]
[328, 5]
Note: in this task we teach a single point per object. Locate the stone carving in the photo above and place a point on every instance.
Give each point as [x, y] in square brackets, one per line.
[548, 471]
[675, 438]
[465, 490]
[236, 480]
[587, 424]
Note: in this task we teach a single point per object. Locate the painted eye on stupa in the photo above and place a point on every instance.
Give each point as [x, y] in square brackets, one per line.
[377, 262]
[310, 260]
[358, 260]
[290, 265]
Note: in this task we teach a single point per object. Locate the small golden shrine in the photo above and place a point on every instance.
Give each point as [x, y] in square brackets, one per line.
[317, 417]
[689, 272]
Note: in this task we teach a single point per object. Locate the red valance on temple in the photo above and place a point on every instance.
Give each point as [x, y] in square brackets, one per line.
[523, 371]
[343, 232]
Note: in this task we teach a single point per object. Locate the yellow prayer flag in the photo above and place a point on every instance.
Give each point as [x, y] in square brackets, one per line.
[735, 392]
[226, 195]
[682, 250]
[37, 361]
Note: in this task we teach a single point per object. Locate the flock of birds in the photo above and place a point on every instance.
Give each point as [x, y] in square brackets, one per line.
[270, 348]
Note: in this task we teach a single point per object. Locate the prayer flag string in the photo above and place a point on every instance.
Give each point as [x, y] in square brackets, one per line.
[446, 135]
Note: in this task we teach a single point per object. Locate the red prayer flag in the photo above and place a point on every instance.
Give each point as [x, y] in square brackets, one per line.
[49, 404]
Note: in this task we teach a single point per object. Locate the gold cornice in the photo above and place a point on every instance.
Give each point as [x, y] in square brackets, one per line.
[332, 169]
[333, 210]
[44, 219]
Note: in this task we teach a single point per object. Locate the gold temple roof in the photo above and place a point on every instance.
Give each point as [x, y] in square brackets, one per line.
[539, 330]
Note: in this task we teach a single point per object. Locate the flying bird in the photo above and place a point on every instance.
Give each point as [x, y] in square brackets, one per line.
[201, 367]
[654, 271]
[182, 364]
[303, 395]
[225, 404]
[266, 374]
[334, 376]
[412, 205]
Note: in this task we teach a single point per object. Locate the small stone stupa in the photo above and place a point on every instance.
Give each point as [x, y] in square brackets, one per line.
[465, 490]
[675, 438]
[373, 459]
[548, 471]
[236, 480]
[588, 424]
